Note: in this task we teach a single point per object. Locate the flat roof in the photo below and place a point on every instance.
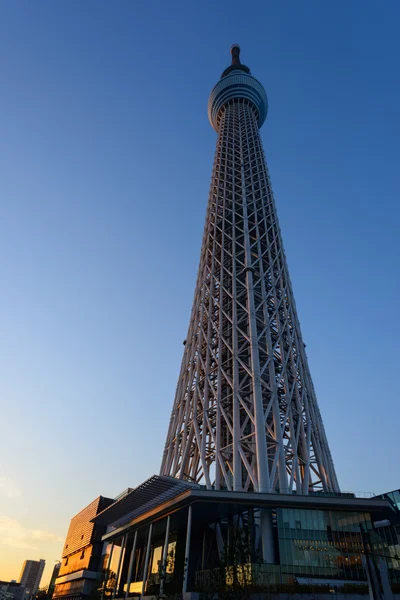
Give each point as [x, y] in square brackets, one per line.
[149, 494]
[215, 504]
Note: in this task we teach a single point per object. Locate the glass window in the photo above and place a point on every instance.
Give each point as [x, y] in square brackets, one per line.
[157, 557]
[171, 557]
[396, 498]
[114, 559]
[321, 543]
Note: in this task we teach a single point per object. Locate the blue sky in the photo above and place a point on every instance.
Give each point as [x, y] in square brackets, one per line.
[105, 163]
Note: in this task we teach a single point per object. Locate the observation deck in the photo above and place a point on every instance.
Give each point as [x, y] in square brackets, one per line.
[237, 83]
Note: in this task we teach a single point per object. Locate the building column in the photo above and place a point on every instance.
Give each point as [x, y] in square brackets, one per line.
[107, 570]
[187, 550]
[118, 573]
[203, 551]
[163, 573]
[130, 567]
[267, 536]
[146, 561]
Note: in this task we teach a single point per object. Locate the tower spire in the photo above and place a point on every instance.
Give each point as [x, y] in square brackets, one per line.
[235, 51]
[235, 63]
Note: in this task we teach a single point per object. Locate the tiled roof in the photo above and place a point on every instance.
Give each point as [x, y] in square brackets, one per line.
[81, 529]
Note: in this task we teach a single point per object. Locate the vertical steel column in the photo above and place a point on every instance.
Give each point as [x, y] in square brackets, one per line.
[264, 484]
[131, 561]
[146, 561]
[163, 574]
[187, 550]
[267, 536]
[237, 463]
[203, 551]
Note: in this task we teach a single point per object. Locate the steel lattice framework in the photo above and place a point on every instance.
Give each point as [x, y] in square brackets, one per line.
[245, 415]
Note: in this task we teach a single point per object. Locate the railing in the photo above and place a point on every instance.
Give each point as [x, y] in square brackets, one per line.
[268, 576]
[239, 576]
[122, 494]
[313, 493]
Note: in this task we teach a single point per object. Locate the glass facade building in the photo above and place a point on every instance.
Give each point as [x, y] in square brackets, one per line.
[318, 543]
[185, 538]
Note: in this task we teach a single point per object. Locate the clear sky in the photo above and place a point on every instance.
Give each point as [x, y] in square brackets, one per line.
[105, 164]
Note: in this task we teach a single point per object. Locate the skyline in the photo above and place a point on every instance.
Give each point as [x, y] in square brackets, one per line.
[102, 217]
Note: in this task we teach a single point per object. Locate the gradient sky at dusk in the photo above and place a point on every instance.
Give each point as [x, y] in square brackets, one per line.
[105, 165]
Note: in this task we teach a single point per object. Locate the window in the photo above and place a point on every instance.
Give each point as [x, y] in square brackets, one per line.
[83, 554]
[171, 555]
[157, 557]
[82, 536]
[66, 561]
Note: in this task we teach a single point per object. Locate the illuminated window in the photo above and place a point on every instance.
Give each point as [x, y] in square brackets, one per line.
[157, 557]
[171, 557]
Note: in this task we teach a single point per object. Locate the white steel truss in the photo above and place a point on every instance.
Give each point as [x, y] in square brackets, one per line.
[245, 415]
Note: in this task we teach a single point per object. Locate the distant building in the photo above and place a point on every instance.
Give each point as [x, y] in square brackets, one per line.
[11, 590]
[52, 583]
[80, 569]
[31, 574]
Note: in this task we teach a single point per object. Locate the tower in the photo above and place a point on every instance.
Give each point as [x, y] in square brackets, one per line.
[245, 415]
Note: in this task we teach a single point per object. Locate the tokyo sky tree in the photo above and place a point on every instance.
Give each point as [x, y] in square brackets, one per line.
[245, 415]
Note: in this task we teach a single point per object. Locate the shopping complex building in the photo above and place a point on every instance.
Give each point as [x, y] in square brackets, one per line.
[169, 536]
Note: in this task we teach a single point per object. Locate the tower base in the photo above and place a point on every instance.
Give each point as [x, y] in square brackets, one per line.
[178, 537]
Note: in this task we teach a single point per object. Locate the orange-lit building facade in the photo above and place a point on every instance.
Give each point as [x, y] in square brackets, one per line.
[80, 569]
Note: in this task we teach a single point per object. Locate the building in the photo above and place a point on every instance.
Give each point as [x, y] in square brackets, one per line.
[11, 590]
[31, 575]
[4, 594]
[79, 572]
[172, 536]
[52, 584]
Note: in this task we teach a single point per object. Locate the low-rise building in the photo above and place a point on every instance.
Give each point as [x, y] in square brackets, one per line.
[79, 574]
[170, 536]
[11, 590]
